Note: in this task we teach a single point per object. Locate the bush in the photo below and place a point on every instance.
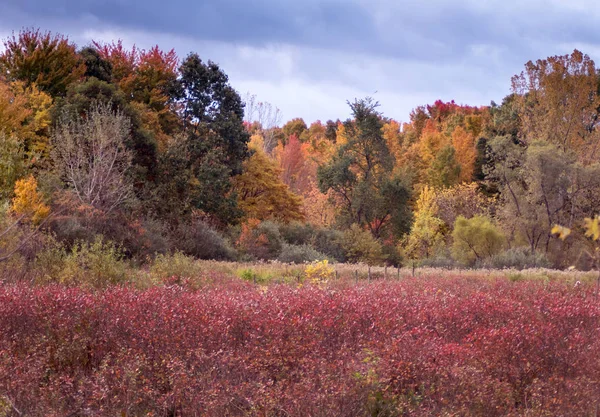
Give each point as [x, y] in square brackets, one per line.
[298, 254]
[260, 240]
[438, 261]
[297, 233]
[516, 258]
[330, 242]
[361, 246]
[319, 272]
[475, 239]
[324, 241]
[393, 256]
[201, 241]
[439, 345]
[97, 264]
[177, 265]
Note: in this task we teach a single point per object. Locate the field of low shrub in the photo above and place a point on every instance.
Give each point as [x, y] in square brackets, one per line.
[437, 345]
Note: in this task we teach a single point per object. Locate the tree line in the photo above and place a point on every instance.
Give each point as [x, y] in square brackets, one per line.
[158, 154]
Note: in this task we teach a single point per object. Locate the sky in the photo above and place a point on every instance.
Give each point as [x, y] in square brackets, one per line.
[309, 57]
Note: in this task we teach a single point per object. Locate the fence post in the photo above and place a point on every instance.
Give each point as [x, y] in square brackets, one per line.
[356, 275]
[369, 273]
[385, 272]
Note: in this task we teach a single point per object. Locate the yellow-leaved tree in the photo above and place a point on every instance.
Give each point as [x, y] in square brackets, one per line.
[262, 194]
[426, 233]
[29, 208]
[28, 204]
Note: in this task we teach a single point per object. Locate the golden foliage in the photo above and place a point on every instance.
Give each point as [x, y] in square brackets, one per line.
[592, 228]
[557, 100]
[562, 231]
[426, 233]
[319, 272]
[261, 193]
[28, 202]
[466, 153]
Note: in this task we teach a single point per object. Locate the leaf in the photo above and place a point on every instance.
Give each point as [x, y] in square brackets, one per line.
[592, 228]
[561, 231]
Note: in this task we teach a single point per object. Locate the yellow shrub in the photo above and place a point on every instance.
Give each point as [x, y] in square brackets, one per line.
[319, 272]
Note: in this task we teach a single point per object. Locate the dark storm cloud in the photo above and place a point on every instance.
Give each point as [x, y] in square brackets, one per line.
[431, 31]
[310, 56]
[251, 22]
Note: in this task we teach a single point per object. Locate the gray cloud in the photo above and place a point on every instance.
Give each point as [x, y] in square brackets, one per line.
[309, 56]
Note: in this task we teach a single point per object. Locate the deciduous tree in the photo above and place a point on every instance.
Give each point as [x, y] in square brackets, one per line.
[49, 61]
[360, 174]
[92, 160]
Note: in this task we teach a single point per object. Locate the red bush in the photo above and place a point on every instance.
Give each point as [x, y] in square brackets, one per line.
[419, 347]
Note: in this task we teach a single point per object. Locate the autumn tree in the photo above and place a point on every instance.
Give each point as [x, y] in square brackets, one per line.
[541, 186]
[360, 174]
[82, 98]
[298, 171]
[28, 209]
[25, 117]
[261, 193]
[296, 127]
[122, 61]
[426, 234]
[462, 200]
[466, 153]
[148, 79]
[12, 164]
[13, 110]
[49, 61]
[361, 246]
[28, 204]
[558, 102]
[92, 160]
[268, 118]
[444, 170]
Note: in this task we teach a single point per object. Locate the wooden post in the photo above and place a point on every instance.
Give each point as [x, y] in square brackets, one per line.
[369, 272]
[356, 275]
[413, 269]
[385, 272]
[336, 275]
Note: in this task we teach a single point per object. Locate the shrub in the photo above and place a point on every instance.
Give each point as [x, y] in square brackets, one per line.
[517, 258]
[435, 346]
[201, 241]
[438, 261]
[297, 233]
[475, 239]
[95, 264]
[298, 254]
[319, 272]
[361, 246]
[177, 265]
[260, 240]
[330, 243]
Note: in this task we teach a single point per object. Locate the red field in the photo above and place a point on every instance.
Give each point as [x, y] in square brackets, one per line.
[447, 346]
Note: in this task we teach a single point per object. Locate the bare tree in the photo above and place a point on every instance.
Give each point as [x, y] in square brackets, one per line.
[268, 116]
[91, 158]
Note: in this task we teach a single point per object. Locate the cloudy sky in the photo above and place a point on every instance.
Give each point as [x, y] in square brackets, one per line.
[308, 57]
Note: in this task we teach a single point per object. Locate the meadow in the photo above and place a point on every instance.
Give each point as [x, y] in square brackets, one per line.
[207, 338]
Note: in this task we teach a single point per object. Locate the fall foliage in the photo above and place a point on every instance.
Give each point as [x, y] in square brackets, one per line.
[178, 152]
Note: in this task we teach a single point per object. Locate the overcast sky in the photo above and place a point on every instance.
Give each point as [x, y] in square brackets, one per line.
[308, 57]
